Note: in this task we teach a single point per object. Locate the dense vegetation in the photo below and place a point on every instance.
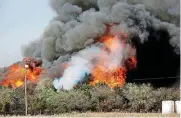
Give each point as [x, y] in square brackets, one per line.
[43, 99]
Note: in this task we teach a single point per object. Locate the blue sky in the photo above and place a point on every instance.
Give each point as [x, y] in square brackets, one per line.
[21, 21]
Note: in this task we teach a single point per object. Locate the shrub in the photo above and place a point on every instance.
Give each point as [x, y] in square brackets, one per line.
[35, 105]
[18, 106]
[141, 97]
[64, 101]
[48, 99]
[162, 94]
[78, 101]
[99, 98]
[5, 100]
[144, 98]
[105, 99]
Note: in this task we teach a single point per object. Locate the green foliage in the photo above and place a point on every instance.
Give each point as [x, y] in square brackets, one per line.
[35, 104]
[165, 94]
[64, 101]
[5, 99]
[168, 93]
[53, 102]
[105, 99]
[100, 98]
[144, 98]
[141, 97]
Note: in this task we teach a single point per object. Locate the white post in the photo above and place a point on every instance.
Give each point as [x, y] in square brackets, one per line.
[25, 82]
[178, 107]
[167, 107]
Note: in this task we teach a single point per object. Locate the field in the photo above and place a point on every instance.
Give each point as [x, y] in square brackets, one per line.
[102, 114]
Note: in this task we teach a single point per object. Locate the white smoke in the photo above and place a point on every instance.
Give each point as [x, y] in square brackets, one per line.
[78, 24]
[79, 66]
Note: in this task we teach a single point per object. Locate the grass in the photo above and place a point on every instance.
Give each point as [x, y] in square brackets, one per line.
[101, 114]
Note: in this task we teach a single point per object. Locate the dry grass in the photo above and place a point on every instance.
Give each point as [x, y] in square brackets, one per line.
[91, 114]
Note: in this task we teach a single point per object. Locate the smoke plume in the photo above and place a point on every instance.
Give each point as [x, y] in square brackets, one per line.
[71, 37]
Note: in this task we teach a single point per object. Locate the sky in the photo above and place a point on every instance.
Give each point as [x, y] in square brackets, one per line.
[21, 21]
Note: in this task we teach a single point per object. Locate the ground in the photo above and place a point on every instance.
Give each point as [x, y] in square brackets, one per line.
[102, 114]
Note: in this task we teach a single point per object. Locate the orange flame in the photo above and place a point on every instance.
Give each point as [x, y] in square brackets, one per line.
[131, 63]
[16, 73]
[114, 77]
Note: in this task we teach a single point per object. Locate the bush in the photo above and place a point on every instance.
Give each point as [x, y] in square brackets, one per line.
[78, 101]
[48, 99]
[141, 97]
[18, 106]
[162, 94]
[105, 99]
[35, 105]
[5, 100]
[64, 101]
[144, 98]
[99, 98]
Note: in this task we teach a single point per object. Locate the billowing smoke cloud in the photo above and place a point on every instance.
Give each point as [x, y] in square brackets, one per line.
[78, 24]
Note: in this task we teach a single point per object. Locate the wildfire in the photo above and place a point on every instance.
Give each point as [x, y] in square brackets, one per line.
[14, 77]
[113, 76]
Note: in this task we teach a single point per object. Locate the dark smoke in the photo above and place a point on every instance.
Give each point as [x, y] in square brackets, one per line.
[156, 59]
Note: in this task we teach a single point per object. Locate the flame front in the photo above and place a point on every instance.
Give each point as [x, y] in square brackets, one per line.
[113, 78]
[16, 74]
[107, 70]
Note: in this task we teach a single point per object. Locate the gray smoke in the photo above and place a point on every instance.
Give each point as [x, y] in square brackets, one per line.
[78, 24]
[166, 10]
[170, 6]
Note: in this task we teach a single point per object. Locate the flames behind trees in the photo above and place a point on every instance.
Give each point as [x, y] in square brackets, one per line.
[15, 74]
